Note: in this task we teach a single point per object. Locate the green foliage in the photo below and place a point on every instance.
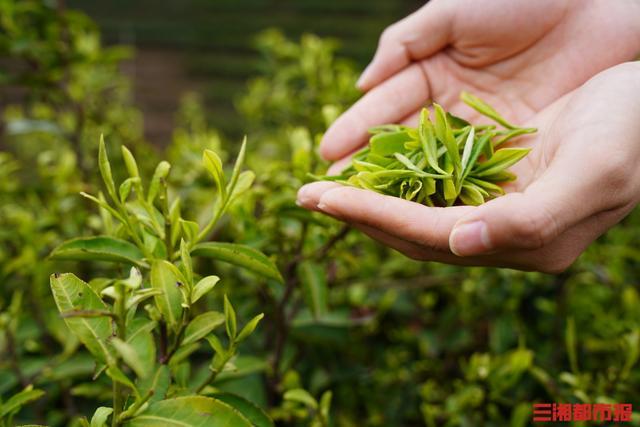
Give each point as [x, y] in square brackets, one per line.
[179, 256]
[437, 163]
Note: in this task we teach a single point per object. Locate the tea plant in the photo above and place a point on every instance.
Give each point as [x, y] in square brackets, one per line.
[440, 163]
[153, 342]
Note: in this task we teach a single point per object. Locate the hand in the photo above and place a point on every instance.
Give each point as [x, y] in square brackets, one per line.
[580, 178]
[518, 55]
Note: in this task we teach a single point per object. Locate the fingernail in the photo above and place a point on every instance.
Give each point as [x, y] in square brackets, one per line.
[302, 198]
[470, 239]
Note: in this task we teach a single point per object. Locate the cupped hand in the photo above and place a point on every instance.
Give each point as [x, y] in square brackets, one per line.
[580, 179]
[519, 55]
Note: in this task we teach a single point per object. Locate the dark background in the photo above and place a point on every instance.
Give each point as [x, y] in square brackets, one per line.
[207, 45]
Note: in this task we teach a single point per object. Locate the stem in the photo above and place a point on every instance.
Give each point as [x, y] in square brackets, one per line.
[216, 370]
[120, 311]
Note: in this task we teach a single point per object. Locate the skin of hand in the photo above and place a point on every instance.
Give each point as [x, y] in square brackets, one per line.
[518, 55]
[580, 179]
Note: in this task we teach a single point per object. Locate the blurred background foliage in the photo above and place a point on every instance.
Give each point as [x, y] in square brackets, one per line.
[399, 343]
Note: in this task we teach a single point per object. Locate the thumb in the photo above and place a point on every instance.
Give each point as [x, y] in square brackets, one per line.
[531, 219]
[415, 37]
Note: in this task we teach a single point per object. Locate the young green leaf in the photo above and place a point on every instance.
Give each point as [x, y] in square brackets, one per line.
[17, 401]
[501, 160]
[213, 164]
[485, 109]
[72, 294]
[249, 328]
[161, 173]
[165, 279]
[100, 416]
[130, 162]
[189, 411]
[105, 170]
[314, 285]
[202, 325]
[444, 134]
[230, 319]
[240, 255]
[130, 357]
[99, 248]
[301, 396]
[201, 288]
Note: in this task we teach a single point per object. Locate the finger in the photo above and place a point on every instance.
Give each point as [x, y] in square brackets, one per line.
[393, 100]
[337, 167]
[561, 198]
[416, 37]
[422, 225]
[309, 194]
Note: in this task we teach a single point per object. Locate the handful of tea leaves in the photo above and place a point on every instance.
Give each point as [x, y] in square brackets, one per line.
[445, 161]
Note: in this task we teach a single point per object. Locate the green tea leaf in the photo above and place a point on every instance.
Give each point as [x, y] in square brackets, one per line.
[118, 376]
[237, 167]
[501, 160]
[140, 338]
[301, 396]
[388, 143]
[249, 328]
[202, 325]
[130, 162]
[165, 279]
[71, 294]
[256, 416]
[130, 357]
[485, 109]
[428, 141]
[314, 285]
[213, 164]
[201, 288]
[189, 411]
[99, 248]
[230, 319]
[161, 173]
[444, 134]
[100, 416]
[240, 255]
[158, 383]
[17, 401]
[105, 170]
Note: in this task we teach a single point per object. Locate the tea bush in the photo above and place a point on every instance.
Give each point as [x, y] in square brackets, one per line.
[353, 333]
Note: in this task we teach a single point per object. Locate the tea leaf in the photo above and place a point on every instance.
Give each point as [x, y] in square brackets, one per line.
[256, 416]
[249, 328]
[240, 255]
[301, 396]
[314, 284]
[160, 174]
[189, 411]
[501, 160]
[18, 400]
[201, 288]
[444, 134]
[237, 167]
[202, 325]
[230, 319]
[100, 416]
[130, 357]
[99, 248]
[428, 141]
[485, 109]
[105, 170]
[165, 279]
[385, 144]
[130, 162]
[213, 164]
[468, 147]
[158, 383]
[70, 294]
[118, 376]
[140, 338]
